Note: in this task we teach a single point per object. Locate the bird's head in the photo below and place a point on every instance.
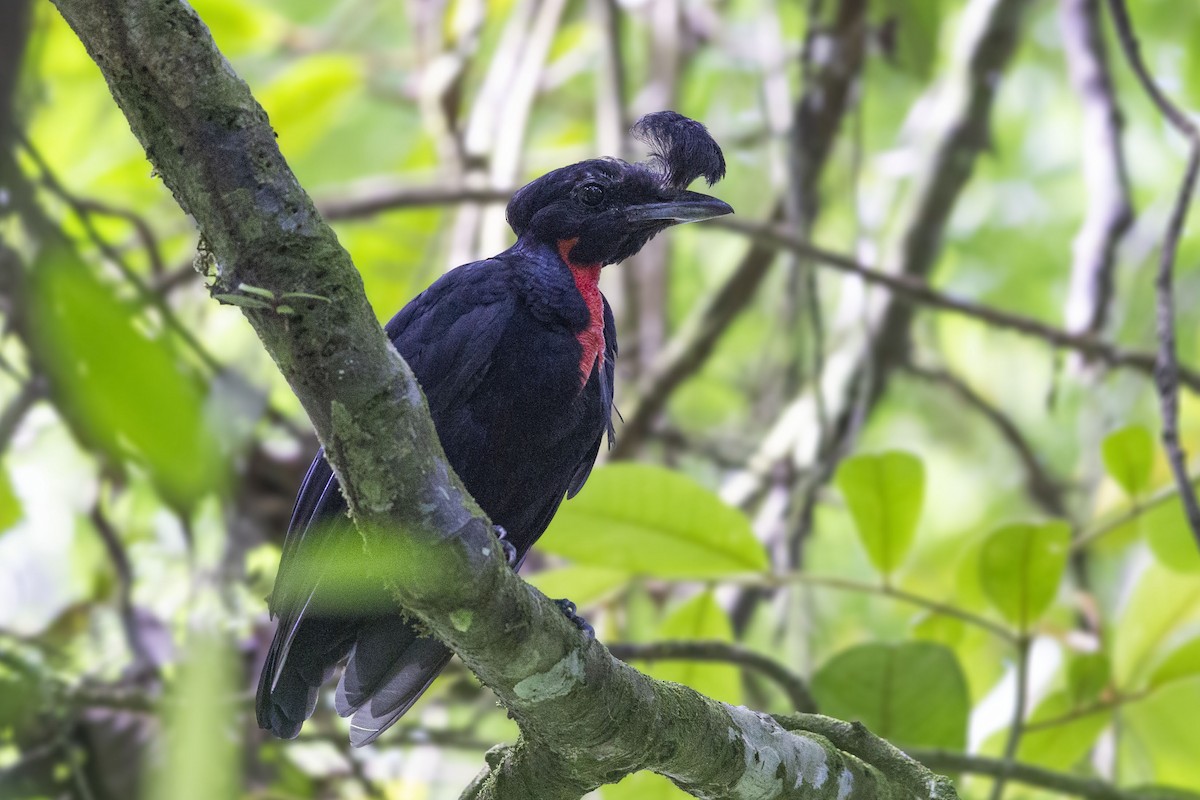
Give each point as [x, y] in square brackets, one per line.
[609, 208]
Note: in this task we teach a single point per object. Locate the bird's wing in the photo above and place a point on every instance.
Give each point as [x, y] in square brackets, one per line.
[287, 690]
[607, 373]
[453, 327]
[449, 333]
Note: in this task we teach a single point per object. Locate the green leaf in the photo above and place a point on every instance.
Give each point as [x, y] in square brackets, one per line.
[1191, 67]
[939, 628]
[1087, 675]
[700, 619]
[1182, 662]
[1021, 566]
[10, 505]
[1128, 455]
[1061, 745]
[913, 693]
[125, 395]
[1160, 604]
[1159, 734]
[652, 521]
[1170, 537]
[884, 493]
[201, 747]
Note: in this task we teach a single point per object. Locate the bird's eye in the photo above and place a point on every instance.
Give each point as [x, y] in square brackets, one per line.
[591, 194]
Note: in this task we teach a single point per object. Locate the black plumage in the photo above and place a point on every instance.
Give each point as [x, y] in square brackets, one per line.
[516, 356]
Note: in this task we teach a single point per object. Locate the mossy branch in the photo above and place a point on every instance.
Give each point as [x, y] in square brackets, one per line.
[585, 717]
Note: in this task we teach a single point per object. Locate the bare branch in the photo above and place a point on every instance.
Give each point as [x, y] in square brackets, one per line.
[1137, 509]
[370, 197]
[887, 590]
[1016, 728]
[144, 661]
[916, 291]
[1167, 370]
[1043, 487]
[1109, 208]
[1072, 785]
[723, 652]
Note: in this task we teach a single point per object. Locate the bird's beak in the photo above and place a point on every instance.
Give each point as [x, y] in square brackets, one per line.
[686, 207]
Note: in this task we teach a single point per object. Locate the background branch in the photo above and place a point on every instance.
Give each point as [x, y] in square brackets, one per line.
[1167, 370]
[1109, 213]
[723, 652]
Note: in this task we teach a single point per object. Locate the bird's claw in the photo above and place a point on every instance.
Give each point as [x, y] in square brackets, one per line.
[571, 613]
[510, 552]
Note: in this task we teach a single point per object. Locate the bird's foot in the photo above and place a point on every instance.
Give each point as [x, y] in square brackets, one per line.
[570, 612]
[510, 552]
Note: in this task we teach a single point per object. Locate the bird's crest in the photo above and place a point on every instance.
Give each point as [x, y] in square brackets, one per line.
[681, 149]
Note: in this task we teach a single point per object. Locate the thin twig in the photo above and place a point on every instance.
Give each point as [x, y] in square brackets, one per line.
[51, 182]
[849, 585]
[725, 652]
[1163, 495]
[144, 290]
[1087, 711]
[357, 770]
[141, 227]
[1092, 788]
[1109, 208]
[1043, 487]
[1167, 369]
[917, 291]
[1017, 726]
[31, 391]
[144, 662]
[371, 197]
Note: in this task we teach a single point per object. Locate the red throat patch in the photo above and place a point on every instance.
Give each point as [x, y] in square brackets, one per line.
[591, 338]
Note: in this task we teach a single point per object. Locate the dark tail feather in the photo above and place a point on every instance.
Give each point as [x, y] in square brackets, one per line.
[287, 691]
[390, 667]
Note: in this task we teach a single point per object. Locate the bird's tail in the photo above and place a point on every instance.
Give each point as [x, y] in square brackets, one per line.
[390, 666]
[295, 668]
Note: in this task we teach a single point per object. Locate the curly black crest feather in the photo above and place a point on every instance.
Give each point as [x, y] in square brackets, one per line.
[680, 148]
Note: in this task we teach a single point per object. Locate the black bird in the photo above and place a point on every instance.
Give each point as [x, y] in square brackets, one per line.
[515, 355]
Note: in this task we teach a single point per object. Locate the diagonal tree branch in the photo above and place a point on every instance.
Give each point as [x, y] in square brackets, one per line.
[586, 718]
[1045, 489]
[1167, 370]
